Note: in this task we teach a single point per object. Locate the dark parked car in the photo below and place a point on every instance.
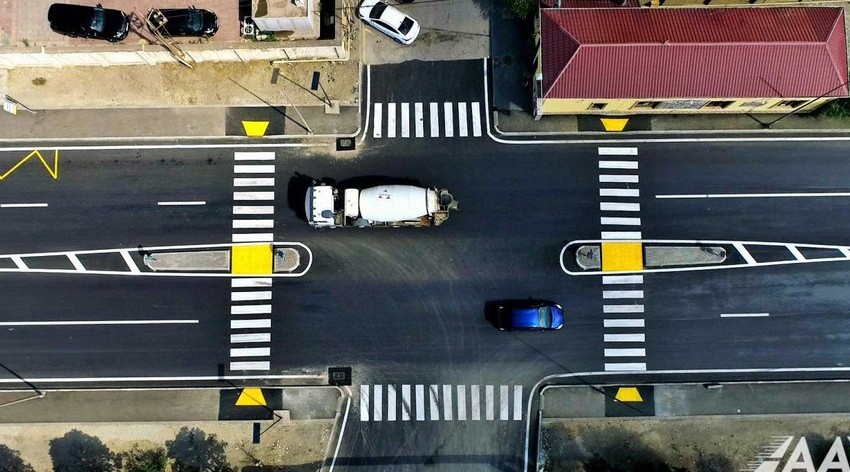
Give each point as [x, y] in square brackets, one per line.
[527, 314]
[184, 21]
[80, 21]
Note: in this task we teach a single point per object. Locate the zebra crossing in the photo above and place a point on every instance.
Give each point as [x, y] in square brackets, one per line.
[443, 119]
[440, 402]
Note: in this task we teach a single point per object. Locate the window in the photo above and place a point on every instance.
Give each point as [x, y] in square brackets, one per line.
[719, 104]
[791, 103]
[646, 104]
[597, 106]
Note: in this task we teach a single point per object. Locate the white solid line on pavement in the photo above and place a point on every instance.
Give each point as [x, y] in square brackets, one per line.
[377, 128]
[618, 178]
[251, 224]
[475, 402]
[253, 156]
[75, 261]
[419, 119]
[240, 196]
[405, 402]
[253, 181]
[622, 308]
[96, 323]
[250, 365]
[23, 205]
[625, 338]
[433, 405]
[131, 264]
[377, 397]
[619, 192]
[618, 164]
[461, 402]
[253, 169]
[405, 123]
[517, 402]
[620, 235]
[609, 294]
[390, 121]
[621, 279]
[420, 402]
[795, 252]
[744, 315]
[250, 324]
[503, 403]
[250, 352]
[756, 195]
[253, 238]
[461, 120]
[253, 210]
[434, 119]
[251, 282]
[623, 323]
[618, 151]
[624, 366]
[489, 411]
[634, 352]
[251, 338]
[448, 120]
[391, 409]
[364, 395]
[619, 206]
[19, 263]
[615, 221]
[744, 253]
[183, 203]
[251, 310]
[476, 119]
[250, 296]
[447, 403]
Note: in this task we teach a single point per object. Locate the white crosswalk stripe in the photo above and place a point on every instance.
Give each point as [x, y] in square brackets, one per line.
[441, 402]
[420, 120]
[452, 119]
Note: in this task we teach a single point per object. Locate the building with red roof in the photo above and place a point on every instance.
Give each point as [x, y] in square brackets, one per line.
[689, 60]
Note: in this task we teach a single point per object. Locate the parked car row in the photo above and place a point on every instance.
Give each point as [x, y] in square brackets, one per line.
[81, 21]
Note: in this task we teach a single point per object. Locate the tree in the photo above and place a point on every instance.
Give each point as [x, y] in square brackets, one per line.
[194, 451]
[10, 461]
[523, 9]
[143, 460]
[76, 451]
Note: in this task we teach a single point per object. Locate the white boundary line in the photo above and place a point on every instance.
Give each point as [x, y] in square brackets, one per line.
[754, 195]
[23, 205]
[368, 102]
[341, 433]
[744, 315]
[96, 323]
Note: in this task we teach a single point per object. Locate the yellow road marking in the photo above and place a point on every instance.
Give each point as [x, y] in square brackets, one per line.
[622, 256]
[54, 172]
[628, 394]
[255, 129]
[253, 260]
[614, 124]
[251, 397]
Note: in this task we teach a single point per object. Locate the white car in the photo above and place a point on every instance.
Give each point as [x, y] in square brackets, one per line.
[388, 20]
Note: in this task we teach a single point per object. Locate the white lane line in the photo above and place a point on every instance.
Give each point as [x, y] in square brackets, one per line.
[618, 151]
[253, 182]
[377, 402]
[625, 338]
[253, 169]
[250, 324]
[419, 119]
[619, 192]
[795, 252]
[250, 296]
[609, 220]
[461, 120]
[503, 403]
[624, 366]
[475, 402]
[448, 120]
[253, 210]
[391, 120]
[364, 399]
[620, 235]
[744, 253]
[253, 156]
[250, 352]
[97, 323]
[251, 310]
[405, 120]
[636, 352]
[23, 205]
[744, 315]
[623, 323]
[756, 195]
[251, 338]
[391, 408]
[461, 402]
[253, 238]
[75, 261]
[420, 402]
[250, 224]
[619, 206]
[618, 164]
[517, 402]
[489, 400]
[434, 406]
[128, 259]
[183, 203]
[19, 263]
[622, 308]
[621, 279]
[434, 119]
[618, 178]
[377, 125]
[447, 403]
[241, 196]
[476, 120]
[251, 282]
[609, 294]
[252, 365]
[405, 402]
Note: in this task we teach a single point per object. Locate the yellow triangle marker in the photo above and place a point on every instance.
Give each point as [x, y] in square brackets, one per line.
[614, 124]
[255, 129]
[628, 394]
[251, 397]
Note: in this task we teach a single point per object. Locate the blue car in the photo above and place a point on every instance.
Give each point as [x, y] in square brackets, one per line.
[527, 314]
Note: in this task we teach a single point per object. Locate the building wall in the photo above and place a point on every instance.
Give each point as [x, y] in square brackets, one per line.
[687, 106]
[723, 3]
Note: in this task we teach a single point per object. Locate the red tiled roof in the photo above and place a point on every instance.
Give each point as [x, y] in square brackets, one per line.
[693, 52]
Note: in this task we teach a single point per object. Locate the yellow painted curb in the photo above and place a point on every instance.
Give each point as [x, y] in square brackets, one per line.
[251, 397]
[614, 124]
[255, 129]
[252, 260]
[621, 256]
[628, 394]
